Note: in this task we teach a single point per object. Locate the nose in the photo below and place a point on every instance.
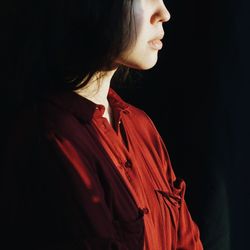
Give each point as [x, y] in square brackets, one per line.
[161, 15]
[165, 14]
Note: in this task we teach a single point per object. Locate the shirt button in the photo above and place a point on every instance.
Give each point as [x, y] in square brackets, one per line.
[145, 210]
[128, 176]
[128, 164]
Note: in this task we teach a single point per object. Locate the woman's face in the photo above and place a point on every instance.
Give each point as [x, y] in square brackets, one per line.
[149, 16]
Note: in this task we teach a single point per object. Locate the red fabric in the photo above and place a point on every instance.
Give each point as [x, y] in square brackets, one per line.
[120, 176]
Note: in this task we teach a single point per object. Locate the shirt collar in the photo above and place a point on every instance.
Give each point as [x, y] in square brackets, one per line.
[85, 109]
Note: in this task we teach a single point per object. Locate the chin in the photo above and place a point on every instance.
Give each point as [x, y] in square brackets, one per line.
[146, 64]
[139, 62]
[143, 63]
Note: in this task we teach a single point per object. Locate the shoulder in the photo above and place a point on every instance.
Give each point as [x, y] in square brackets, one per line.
[135, 115]
[29, 134]
[142, 123]
[139, 114]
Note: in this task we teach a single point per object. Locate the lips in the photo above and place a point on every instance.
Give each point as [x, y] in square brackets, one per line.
[155, 44]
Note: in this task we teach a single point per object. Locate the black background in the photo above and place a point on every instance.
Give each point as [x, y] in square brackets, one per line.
[198, 97]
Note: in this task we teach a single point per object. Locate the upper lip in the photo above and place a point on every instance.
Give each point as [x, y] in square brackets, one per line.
[158, 37]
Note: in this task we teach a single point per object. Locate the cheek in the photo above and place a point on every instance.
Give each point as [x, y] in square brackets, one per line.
[139, 16]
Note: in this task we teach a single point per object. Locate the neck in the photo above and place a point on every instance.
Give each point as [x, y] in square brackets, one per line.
[97, 91]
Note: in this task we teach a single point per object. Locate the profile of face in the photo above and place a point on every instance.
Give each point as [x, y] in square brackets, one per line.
[149, 16]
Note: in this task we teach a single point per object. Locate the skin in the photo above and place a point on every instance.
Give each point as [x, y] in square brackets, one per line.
[149, 17]
[142, 54]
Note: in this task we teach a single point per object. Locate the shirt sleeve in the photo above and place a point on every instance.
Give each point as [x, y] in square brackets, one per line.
[48, 205]
[90, 195]
[188, 235]
[188, 232]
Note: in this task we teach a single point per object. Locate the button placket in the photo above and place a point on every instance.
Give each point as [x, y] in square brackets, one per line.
[145, 210]
[128, 164]
[128, 176]
[119, 163]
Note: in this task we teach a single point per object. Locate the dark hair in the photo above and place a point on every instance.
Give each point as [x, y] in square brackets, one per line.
[55, 45]
[85, 37]
[58, 45]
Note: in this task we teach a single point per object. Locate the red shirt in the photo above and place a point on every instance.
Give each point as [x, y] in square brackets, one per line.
[115, 184]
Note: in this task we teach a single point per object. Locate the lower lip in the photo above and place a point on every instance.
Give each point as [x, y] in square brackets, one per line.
[155, 44]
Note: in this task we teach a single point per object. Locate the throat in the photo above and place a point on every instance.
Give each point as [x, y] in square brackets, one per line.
[108, 114]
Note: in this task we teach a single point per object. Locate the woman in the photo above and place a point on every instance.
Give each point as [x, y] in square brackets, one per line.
[83, 168]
